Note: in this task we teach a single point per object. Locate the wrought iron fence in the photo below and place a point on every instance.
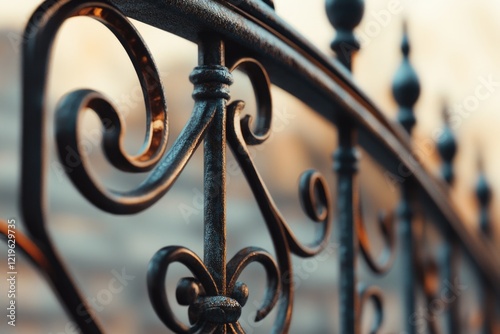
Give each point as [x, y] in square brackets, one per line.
[248, 35]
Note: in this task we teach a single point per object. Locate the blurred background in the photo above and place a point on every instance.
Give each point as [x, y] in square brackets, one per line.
[454, 52]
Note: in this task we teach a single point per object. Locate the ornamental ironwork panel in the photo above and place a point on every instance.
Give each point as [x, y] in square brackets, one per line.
[249, 36]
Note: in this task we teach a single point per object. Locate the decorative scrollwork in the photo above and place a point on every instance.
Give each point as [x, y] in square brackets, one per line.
[311, 183]
[379, 266]
[36, 59]
[39, 36]
[158, 181]
[209, 308]
[428, 279]
[157, 272]
[167, 167]
[314, 194]
[315, 199]
[261, 86]
[375, 295]
[239, 262]
[386, 258]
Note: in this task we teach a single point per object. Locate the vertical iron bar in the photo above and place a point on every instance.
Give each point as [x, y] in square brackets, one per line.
[346, 167]
[488, 307]
[483, 193]
[447, 148]
[407, 250]
[406, 89]
[345, 15]
[215, 200]
[450, 273]
[211, 52]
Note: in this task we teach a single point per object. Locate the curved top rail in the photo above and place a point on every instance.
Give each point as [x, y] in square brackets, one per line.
[251, 28]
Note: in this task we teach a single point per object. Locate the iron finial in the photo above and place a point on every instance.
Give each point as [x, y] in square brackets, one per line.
[406, 86]
[345, 15]
[447, 147]
[483, 193]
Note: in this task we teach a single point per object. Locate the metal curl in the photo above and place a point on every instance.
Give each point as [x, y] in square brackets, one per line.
[261, 86]
[165, 167]
[429, 280]
[241, 260]
[314, 196]
[207, 309]
[311, 182]
[155, 141]
[316, 201]
[375, 295]
[157, 272]
[38, 40]
[268, 208]
[165, 171]
[67, 116]
[386, 258]
[283, 238]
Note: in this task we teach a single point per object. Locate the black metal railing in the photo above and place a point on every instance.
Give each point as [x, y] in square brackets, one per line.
[248, 35]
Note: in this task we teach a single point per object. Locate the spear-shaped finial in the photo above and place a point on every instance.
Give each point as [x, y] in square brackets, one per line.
[406, 86]
[447, 147]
